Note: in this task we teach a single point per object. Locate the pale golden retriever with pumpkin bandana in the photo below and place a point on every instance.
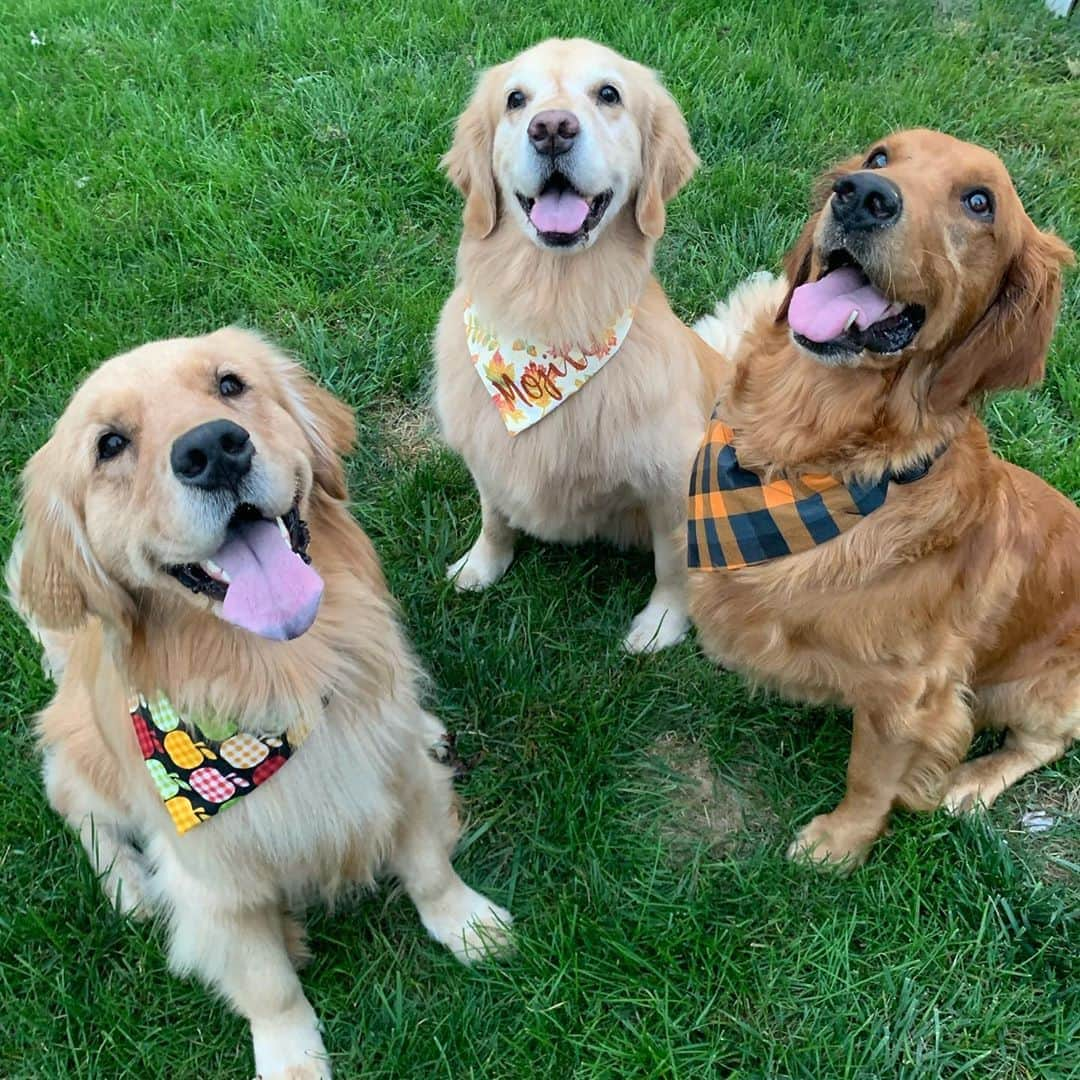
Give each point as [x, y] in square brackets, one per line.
[216, 652]
[566, 156]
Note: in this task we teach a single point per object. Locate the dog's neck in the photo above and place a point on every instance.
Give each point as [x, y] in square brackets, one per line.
[563, 298]
[793, 414]
[201, 663]
[353, 651]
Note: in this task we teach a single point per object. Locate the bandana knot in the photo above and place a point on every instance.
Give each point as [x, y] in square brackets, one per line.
[527, 379]
[735, 519]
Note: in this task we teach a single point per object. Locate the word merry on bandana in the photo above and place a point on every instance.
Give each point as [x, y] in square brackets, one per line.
[526, 380]
[735, 519]
[199, 771]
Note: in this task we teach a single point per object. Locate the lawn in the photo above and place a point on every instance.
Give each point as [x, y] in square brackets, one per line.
[169, 166]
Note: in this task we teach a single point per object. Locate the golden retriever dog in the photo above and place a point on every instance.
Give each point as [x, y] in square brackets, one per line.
[918, 286]
[566, 156]
[204, 631]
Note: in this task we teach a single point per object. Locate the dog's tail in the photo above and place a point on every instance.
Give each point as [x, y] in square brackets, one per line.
[725, 327]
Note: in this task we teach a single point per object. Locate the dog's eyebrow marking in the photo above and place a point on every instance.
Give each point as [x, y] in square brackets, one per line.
[532, 83]
[114, 423]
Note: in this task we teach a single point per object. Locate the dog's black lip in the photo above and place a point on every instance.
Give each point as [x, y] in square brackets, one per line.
[884, 337]
[192, 576]
[598, 205]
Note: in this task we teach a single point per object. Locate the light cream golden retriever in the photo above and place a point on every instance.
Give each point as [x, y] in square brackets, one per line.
[165, 550]
[566, 156]
[918, 285]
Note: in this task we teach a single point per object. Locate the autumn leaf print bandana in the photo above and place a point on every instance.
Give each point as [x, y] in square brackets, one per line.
[528, 380]
[201, 770]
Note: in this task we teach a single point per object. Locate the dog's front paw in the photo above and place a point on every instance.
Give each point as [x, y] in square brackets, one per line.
[290, 1047]
[124, 882]
[831, 844]
[296, 1072]
[468, 924]
[656, 627]
[479, 567]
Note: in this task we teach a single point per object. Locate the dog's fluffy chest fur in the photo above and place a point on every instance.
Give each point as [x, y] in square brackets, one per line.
[586, 468]
[325, 820]
[934, 581]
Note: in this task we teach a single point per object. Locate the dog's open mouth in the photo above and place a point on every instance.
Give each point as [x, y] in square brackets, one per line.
[260, 574]
[560, 214]
[845, 312]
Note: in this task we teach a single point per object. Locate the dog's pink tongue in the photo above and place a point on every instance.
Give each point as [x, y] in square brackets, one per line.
[820, 310]
[559, 212]
[272, 591]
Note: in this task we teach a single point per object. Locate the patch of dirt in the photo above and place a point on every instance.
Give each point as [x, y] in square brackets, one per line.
[725, 813]
[408, 430]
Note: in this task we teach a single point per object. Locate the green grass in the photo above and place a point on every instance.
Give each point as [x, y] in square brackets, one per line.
[168, 167]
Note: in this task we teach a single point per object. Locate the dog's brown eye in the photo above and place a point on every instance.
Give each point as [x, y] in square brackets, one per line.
[230, 386]
[608, 95]
[877, 160]
[110, 444]
[979, 203]
[515, 100]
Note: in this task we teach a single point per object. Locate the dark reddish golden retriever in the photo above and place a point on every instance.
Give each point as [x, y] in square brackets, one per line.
[919, 285]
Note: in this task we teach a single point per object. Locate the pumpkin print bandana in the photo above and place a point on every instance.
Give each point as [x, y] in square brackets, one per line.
[527, 380]
[735, 519]
[201, 770]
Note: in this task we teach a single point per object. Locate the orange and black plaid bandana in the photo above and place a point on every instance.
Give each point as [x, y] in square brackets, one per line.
[735, 519]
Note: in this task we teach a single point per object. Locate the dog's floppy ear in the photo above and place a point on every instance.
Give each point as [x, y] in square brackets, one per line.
[668, 162]
[327, 423]
[53, 577]
[1006, 349]
[468, 161]
[797, 262]
[797, 265]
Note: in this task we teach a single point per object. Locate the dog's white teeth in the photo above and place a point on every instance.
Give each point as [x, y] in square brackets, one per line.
[851, 320]
[216, 572]
[284, 532]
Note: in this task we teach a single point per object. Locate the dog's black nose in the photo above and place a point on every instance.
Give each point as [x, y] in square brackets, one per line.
[552, 132]
[864, 200]
[213, 455]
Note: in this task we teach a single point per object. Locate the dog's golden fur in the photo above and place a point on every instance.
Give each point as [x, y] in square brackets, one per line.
[612, 461]
[957, 604]
[362, 795]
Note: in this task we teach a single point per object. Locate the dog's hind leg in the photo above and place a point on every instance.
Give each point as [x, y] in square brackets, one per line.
[490, 557]
[1042, 720]
[979, 782]
[241, 949]
[460, 918]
